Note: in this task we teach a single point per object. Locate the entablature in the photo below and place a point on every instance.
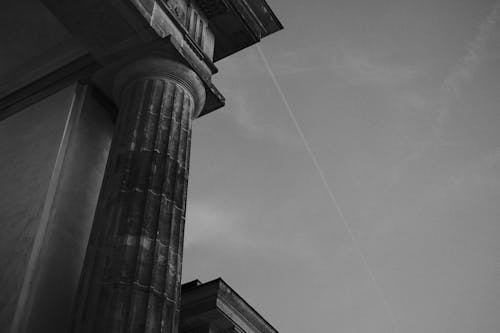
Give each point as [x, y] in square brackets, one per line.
[196, 32]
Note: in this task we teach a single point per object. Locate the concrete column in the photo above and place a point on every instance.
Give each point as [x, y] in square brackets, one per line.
[132, 274]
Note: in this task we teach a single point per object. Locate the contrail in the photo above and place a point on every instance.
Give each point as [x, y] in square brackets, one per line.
[329, 190]
[465, 67]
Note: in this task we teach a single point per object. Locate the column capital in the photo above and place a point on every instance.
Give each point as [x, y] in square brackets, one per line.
[164, 69]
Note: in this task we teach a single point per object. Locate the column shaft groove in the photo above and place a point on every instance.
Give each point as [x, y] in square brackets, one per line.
[132, 275]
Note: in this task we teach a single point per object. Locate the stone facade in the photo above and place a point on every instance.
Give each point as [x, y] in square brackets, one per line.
[149, 64]
[214, 307]
[132, 272]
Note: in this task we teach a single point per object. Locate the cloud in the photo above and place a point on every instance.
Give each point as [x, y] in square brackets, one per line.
[481, 172]
[250, 95]
[345, 64]
[464, 70]
[209, 226]
[311, 58]
[360, 68]
[243, 112]
[450, 90]
[357, 67]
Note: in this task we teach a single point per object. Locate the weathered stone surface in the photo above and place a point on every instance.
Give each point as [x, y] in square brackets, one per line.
[214, 307]
[131, 280]
[132, 271]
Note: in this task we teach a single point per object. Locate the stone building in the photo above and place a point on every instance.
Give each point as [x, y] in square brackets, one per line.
[215, 307]
[97, 101]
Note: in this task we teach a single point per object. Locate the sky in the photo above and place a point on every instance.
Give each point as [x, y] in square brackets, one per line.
[385, 219]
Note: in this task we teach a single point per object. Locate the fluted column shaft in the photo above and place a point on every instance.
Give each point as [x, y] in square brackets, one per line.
[132, 275]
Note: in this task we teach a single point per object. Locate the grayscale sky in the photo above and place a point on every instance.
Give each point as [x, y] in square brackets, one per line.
[400, 103]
